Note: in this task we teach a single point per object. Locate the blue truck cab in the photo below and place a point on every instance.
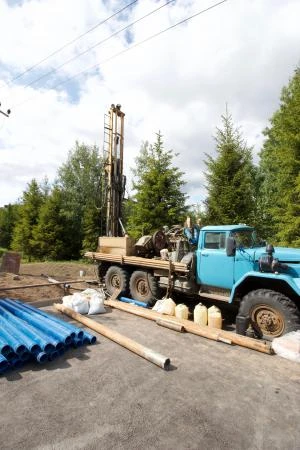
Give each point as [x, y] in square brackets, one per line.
[233, 265]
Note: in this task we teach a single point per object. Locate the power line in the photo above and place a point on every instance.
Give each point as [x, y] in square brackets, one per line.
[72, 41]
[132, 47]
[96, 45]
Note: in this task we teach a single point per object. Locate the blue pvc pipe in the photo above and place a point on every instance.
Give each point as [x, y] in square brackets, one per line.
[16, 363]
[53, 355]
[3, 363]
[134, 302]
[78, 332]
[61, 351]
[40, 323]
[10, 356]
[41, 357]
[25, 356]
[44, 342]
[7, 319]
[5, 349]
[77, 342]
[17, 345]
[55, 324]
[88, 338]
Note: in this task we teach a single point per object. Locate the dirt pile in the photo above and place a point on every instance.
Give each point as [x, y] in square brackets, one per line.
[37, 273]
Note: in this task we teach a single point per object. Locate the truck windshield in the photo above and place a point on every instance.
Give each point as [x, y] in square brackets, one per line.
[247, 239]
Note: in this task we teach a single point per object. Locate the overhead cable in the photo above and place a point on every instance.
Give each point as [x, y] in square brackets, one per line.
[72, 41]
[96, 45]
[153, 36]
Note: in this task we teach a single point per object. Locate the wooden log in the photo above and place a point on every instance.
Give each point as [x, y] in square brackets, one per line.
[130, 344]
[171, 325]
[191, 327]
[138, 261]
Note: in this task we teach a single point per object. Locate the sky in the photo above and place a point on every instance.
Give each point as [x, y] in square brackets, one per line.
[240, 53]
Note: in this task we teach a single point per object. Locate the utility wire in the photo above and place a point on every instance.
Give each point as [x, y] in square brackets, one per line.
[96, 45]
[132, 47]
[72, 41]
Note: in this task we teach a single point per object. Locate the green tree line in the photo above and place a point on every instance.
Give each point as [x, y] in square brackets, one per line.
[63, 220]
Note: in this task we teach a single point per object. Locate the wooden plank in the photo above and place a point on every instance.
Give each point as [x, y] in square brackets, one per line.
[130, 344]
[138, 261]
[191, 327]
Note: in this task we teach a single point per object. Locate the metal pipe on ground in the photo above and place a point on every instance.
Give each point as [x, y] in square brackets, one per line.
[191, 327]
[128, 343]
[28, 286]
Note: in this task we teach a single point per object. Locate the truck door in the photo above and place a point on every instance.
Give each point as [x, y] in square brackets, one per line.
[214, 267]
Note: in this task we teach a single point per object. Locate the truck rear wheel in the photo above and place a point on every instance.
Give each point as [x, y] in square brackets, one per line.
[272, 312]
[116, 278]
[144, 287]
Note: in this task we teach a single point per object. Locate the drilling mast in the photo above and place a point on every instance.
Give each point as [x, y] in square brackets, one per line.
[114, 179]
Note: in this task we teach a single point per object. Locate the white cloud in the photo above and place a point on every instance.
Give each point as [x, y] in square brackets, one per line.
[240, 52]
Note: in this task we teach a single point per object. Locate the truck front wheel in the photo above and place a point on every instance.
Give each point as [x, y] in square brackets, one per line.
[272, 312]
[144, 287]
[116, 278]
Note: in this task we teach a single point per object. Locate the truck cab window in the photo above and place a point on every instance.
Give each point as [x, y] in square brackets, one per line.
[214, 240]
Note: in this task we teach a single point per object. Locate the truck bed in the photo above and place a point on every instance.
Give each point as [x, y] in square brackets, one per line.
[138, 261]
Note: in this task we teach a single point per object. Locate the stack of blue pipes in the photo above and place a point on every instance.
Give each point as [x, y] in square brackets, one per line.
[29, 334]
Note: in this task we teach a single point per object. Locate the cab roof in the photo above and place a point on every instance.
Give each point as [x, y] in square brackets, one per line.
[226, 227]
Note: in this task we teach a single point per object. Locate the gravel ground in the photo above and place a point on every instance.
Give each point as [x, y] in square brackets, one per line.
[104, 397]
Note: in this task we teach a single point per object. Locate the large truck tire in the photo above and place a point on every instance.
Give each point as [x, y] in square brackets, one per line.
[273, 313]
[116, 278]
[144, 287]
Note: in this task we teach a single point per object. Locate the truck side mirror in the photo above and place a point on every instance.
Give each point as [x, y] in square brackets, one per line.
[230, 246]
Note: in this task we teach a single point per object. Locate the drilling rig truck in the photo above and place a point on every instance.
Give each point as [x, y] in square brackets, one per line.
[224, 263]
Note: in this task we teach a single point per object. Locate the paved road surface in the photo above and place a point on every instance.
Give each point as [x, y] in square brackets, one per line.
[104, 397]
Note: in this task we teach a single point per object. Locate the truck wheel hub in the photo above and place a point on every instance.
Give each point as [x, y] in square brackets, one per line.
[115, 281]
[269, 320]
[142, 287]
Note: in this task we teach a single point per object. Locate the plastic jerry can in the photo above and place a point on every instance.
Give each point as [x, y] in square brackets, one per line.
[181, 311]
[200, 314]
[168, 307]
[214, 317]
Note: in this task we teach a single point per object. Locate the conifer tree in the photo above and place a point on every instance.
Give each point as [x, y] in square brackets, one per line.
[280, 168]
[158, 197]
[230, 178]
[49, 235]
[8, 220]
[23, 234]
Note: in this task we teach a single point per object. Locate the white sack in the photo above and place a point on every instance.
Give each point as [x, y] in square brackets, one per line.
[96, 304]
[68, 301]
[288, 346]
[80, 304]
